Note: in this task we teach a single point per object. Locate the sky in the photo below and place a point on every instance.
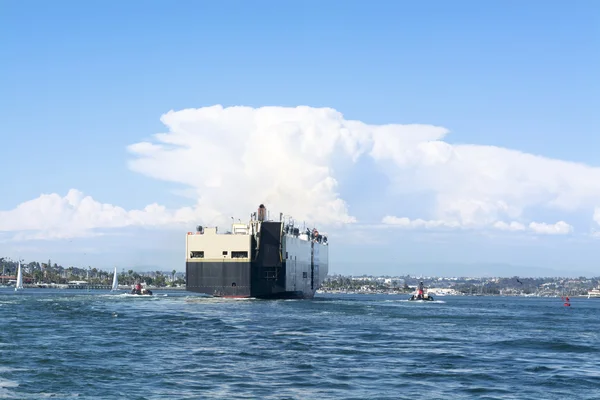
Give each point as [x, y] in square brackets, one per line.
[424, 137]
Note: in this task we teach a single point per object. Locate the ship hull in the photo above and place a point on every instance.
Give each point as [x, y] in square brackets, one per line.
[233, 280]
[279, 267]
[218, 278]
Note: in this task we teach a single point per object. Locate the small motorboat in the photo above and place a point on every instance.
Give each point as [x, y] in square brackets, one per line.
[142, 292]
[421, 295]
[424, 297]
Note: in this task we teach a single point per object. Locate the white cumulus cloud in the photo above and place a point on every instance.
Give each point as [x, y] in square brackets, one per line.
[479, 185]
[232, 159]
[559, 228]
[512, 226]
[404, 222]
[237, 158]
[51, 216]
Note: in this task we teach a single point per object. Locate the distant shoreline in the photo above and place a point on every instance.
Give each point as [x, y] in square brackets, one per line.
[85, 288]
[319, 292]
[437, 296]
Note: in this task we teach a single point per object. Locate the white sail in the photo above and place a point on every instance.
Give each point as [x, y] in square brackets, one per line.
[19, 285]
[115, 284]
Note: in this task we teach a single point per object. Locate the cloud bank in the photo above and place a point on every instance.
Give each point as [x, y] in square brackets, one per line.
[232, 159]
[51, 216]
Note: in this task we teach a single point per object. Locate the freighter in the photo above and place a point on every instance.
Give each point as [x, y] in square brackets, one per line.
[261, 259]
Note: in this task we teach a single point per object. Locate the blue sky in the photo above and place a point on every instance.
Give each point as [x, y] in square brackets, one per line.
[82, 81]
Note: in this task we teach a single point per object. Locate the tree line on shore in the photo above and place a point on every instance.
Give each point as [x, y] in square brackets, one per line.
[45, 273]
[487, 286]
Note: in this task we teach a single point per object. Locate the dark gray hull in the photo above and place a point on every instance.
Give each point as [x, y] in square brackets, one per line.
[230, 279]
[226, 279]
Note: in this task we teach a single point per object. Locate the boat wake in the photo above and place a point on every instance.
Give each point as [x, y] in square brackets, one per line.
[119, 295]
[419, 301]
[208, 299]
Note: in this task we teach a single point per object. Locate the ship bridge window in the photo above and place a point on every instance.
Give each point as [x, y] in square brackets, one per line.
[197, 254]
[225, 252]
[239, 254]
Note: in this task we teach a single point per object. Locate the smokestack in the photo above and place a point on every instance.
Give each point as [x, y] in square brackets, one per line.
[262, 212]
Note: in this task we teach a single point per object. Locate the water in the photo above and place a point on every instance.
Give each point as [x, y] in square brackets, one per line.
[176, 345]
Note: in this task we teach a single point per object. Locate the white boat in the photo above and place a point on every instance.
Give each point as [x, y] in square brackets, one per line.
[19, 284]
[115, 283]
[595, 292]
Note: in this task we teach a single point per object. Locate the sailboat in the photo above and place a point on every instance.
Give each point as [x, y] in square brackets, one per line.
[19, 285]
[115, 284]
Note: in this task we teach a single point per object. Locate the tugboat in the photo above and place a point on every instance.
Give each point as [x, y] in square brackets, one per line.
[420, 294]
[141, 291]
